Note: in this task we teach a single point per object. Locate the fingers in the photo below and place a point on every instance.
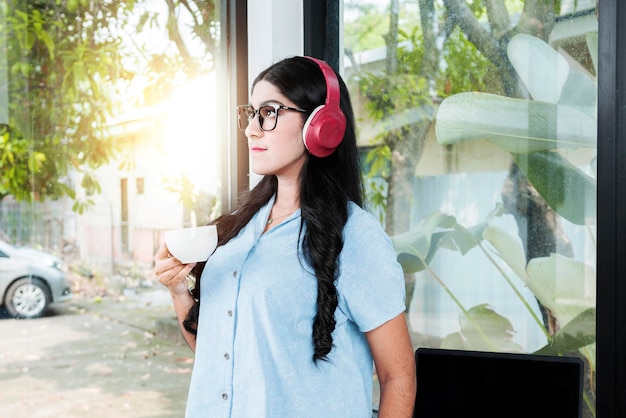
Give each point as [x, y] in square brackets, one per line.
[162, 253]
[170, 271]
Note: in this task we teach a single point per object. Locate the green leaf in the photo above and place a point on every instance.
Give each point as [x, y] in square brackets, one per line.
[47, 39]
[415, 245]
[515, 125]
[35, 159]
[69, 191]
[580, 93]
[434, 232]
[543, 70]
[378, 159]
[578, 333]
[563, 285]
[569, 191]
[509, 248]
[496, 332]
[72, 5]
[453, 341]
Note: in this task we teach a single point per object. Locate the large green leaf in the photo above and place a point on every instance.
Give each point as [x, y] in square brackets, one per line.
[578, 333]
[580, 93]
[563, 285]
[483, 329]
[569, 191]
[515, 125]
[542, 69]
[437, 231]
[563, 115]
[509, 248]
[415, 245]
[547, 74]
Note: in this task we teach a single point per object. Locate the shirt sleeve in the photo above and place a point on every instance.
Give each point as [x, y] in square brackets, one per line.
[371, 282]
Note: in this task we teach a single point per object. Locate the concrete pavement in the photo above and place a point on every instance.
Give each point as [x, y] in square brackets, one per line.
[101, 358]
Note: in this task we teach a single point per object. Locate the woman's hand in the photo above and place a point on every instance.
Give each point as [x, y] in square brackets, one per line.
[173, 275]
[171, 272]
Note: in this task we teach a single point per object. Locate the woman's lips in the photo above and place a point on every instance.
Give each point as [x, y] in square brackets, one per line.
[256, 148]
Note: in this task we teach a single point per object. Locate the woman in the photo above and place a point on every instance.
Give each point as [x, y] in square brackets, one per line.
[303, 290]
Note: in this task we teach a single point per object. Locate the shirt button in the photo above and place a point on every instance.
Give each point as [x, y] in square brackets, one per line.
[224, 396]
[226, 356]
[235, 274]
[230, 312]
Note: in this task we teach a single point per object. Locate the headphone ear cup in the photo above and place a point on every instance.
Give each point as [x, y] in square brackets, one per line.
[323, 130]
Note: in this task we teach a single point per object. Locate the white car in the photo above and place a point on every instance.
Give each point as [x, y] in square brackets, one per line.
[30, 280]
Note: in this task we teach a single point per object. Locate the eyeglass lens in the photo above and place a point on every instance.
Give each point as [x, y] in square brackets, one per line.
[267, 116]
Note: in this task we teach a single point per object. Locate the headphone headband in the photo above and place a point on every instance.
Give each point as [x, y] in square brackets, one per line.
[332, 84]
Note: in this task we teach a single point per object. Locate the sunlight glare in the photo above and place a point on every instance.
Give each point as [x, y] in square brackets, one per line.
[189, 134]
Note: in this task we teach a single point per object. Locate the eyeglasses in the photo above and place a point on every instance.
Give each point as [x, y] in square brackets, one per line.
[268, 115]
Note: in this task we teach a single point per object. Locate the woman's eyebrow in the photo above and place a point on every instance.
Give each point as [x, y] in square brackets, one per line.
[271, 102]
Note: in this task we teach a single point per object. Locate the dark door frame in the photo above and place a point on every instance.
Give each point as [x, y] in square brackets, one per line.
[232, 86]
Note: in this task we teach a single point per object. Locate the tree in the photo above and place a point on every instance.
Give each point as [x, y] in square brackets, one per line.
[67, 65]
[60, 71]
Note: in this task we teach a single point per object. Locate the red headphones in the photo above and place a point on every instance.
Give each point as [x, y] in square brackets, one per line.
[323, 130]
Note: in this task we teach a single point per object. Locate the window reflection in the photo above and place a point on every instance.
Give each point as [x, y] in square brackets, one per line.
[479, 133]
[102, 105]
[107, 138]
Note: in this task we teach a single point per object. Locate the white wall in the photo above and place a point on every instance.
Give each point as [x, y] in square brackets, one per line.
[275, 31]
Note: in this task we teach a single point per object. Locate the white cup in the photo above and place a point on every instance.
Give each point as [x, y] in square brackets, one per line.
[191, 245]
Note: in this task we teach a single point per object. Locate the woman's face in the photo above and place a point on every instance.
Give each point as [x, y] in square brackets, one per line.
[280, 151]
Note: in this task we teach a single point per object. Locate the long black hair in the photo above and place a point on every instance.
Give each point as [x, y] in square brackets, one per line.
[327, 185]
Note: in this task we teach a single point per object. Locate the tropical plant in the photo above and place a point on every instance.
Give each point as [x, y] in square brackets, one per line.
[536, 132]
[559, 116]
[564, 285]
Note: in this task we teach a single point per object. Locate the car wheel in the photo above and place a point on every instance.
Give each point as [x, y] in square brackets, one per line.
[27, 298]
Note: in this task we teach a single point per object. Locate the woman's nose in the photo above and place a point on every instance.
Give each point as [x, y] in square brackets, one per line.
[254, 127]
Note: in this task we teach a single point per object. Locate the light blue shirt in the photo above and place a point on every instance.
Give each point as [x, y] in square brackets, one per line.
[254, 350]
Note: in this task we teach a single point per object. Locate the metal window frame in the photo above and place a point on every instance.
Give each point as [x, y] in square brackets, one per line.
[611, 249]
[322, 30]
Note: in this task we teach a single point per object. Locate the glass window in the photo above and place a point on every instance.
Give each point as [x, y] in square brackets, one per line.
[103, 96]
[108, 137]
[478, 130]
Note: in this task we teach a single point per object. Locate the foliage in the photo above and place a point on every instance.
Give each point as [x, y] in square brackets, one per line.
[71, 68]
[365, 25]
[399, 103]
[60, 71]
[367, 31]
[570, 294]
[391, 94]
[535, 132]
[560, 116]
[477, 51]
[466, 68]
[184, 188]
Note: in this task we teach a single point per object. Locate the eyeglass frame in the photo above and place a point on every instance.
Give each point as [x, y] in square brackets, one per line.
[257, 112]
